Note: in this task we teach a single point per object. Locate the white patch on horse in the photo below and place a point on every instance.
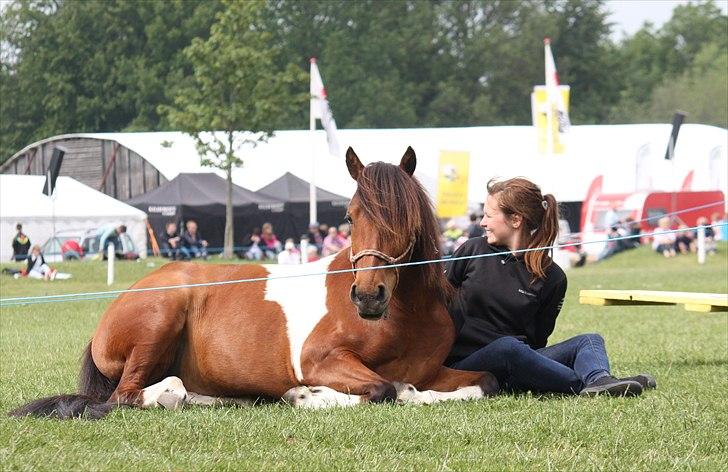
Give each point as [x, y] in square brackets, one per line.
[170, 393]
[302, 299]
[408, 394]
[319, 397]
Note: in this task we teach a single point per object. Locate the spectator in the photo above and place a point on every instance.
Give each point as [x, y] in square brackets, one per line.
[333, 243]
[613, 245]
[323, 231]
[271, 245]
[450, 237]
[345, 234]
[252, 248]
[117, 236]
[71, 250]
[289, 254]
[611, 217]
[709, 235]
[37, 267]
[21, 244]
[720, 226]
[474, 229]
[631, 228]
[663, 239]
[314, 237]
[193, 246]
[684, 240]
[313, 254]
[170, 241]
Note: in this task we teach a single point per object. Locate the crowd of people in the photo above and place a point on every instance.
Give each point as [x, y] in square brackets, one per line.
[182, 246]
[320, 241]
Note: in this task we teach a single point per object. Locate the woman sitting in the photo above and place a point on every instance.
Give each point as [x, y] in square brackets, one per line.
[37, 267]
[506, 303]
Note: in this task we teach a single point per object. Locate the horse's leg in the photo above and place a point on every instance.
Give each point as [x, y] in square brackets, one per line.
[147, 361]
[408, 394]
[449, 384]
[205, 400]
[341, 379]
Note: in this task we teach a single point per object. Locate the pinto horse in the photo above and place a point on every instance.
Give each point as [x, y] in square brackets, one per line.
[373, 334]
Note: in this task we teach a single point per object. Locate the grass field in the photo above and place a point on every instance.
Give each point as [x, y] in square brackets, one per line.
[681, 425]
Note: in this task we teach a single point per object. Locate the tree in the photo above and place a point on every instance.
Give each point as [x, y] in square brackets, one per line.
[236, 89]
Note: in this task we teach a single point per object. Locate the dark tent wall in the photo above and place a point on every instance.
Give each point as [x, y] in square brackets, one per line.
[294, 191]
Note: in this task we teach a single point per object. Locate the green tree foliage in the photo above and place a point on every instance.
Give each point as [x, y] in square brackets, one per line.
[91, 66]
[235, 85]
[681, 66]
[88, 66]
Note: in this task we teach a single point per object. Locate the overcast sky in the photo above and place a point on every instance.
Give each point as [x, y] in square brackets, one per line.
[629, 15]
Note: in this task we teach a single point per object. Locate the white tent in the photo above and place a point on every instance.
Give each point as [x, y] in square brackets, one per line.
[75, 206]
[629, 157]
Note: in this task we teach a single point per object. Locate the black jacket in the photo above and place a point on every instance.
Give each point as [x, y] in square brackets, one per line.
[495, 298]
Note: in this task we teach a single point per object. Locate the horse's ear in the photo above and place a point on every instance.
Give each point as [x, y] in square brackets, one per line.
[409, 161]
[354, 164]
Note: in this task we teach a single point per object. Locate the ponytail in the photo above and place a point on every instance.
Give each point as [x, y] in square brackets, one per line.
[540, 215]
[545, 234]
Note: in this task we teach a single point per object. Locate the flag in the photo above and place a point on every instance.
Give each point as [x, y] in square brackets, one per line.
[552, 86]
[320, 108]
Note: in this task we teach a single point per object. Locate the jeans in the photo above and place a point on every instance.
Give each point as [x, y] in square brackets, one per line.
[565, 367]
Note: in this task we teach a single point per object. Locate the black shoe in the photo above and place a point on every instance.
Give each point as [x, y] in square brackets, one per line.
[608, 385]
[646, 380]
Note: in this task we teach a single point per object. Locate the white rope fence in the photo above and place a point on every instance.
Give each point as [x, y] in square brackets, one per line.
[73, 297]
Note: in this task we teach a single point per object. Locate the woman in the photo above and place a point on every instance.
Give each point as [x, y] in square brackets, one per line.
[37, 267]
[506, 303]
[271, 245]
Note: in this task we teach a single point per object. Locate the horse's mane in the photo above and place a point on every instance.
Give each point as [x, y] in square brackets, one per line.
[398, 205]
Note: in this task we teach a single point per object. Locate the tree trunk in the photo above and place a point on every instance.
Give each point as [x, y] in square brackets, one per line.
[227, 252]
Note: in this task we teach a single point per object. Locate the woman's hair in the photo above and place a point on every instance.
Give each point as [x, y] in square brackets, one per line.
[539, 214]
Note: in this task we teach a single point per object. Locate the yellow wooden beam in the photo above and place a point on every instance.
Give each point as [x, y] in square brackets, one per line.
[702, 302]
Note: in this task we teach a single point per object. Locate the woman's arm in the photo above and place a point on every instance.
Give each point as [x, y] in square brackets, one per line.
[546, 316]
[455, 270]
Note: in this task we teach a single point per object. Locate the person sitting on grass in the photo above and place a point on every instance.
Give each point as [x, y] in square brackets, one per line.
[193, 245]
[663, 239]
[506, 304]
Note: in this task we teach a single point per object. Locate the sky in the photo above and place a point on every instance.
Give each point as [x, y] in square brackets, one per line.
[629, 15]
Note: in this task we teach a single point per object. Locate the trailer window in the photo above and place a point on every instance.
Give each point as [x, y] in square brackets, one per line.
[654, 215]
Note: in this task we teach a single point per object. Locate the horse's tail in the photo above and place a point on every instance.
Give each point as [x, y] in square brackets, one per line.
[91, 401]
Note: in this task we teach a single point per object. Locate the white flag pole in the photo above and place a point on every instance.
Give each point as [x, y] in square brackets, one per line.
[313, 217]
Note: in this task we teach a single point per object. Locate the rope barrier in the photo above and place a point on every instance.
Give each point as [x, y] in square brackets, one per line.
[219, 250]
[72, 297]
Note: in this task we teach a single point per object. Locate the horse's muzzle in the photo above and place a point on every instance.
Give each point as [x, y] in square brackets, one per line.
[370, 306]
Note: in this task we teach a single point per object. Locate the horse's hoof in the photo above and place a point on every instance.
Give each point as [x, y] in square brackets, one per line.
[318, 397]
[297, 396]
[171, 400]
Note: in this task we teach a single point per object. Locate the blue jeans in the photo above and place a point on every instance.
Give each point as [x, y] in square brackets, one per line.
[565, 367]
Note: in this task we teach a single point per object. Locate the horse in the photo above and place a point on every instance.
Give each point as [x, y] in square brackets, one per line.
[344, 330]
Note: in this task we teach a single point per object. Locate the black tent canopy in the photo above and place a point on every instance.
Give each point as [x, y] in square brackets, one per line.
[202, 197]
[294, 191]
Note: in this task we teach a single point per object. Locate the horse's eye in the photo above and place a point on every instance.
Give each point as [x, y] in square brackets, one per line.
[347, 219]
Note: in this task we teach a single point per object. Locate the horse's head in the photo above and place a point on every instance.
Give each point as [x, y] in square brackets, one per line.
[386, 220]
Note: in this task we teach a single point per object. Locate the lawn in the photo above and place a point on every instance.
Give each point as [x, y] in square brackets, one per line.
[681, 425]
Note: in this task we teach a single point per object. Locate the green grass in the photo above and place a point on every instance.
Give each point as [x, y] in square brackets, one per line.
[681, 425]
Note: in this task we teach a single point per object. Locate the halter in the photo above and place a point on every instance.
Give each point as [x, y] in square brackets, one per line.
[386, 258]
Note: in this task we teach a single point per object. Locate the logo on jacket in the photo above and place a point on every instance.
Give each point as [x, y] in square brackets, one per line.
[526, 293]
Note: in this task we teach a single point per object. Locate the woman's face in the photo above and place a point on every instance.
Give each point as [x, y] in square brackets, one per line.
[498, 228]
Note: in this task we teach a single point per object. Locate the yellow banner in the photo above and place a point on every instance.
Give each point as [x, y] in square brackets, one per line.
[539, 112]
[452, 183]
